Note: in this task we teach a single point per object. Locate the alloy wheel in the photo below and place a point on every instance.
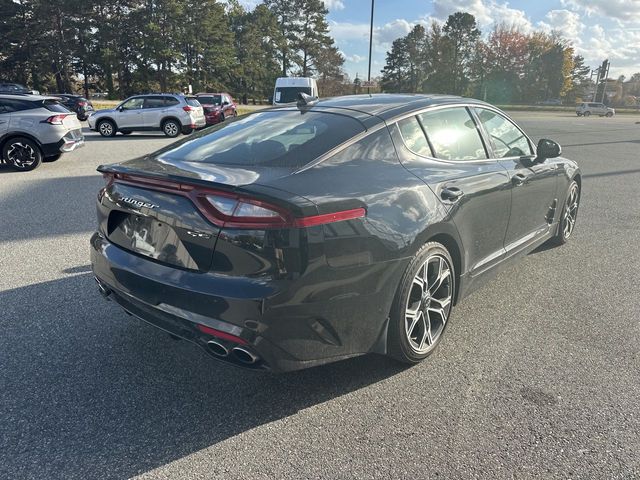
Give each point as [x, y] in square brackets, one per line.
[170, 129]
[429, 303]
[571, 210]
[22, 155]
[106, 129]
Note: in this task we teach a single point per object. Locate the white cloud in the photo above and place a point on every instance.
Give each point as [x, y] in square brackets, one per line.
[334, 4]
[621, 10]
[486, 12]
[567, 23]
[383, 35]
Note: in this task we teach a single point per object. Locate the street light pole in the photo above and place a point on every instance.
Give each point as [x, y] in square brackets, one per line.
[370, 47]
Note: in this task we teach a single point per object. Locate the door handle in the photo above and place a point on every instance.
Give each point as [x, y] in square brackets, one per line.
[452, 194]
[519, 179]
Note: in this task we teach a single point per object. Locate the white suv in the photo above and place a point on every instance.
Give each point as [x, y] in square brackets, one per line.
[35, 128]
[168, 113]
[589, 108]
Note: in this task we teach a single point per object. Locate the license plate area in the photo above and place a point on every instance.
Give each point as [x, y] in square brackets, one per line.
[150, 237]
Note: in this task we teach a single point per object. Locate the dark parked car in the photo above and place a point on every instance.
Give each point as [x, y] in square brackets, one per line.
[14, 88]
[217, 106]
[303, 235]
[76, 103]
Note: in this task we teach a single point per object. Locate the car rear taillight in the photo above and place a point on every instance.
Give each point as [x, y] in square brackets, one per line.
[109, 179]
[189, 108]
[56, 119]
[231, 210]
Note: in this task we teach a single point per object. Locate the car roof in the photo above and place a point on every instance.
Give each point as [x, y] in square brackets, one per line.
[389, 105]
[27, 96]
[213, 93]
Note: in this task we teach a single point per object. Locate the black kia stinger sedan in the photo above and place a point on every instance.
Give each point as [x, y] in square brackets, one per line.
[297, 236]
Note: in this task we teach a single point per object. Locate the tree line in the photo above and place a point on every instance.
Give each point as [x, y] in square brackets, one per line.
[123, 47]
[508, 66]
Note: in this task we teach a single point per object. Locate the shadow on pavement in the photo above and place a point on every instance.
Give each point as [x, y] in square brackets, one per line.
[88, 392]
[71, 201]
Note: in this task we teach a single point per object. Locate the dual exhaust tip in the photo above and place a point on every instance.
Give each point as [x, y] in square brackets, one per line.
[241, 354]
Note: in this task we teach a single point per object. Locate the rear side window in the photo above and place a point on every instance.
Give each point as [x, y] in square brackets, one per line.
[453, 134]
[507, 140]
[171, 101]
[289, 139]
[413, 136]
[154, 102]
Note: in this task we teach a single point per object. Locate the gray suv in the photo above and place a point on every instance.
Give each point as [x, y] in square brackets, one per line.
[168, 113]
[593, 108]
[34, 128]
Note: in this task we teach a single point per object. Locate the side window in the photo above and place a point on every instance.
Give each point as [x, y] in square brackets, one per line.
[153, 102]
[133, 104]
[453, 134]
[170, 101]
[506, 139]
[10, 105]
[413, 136]
[374, 147]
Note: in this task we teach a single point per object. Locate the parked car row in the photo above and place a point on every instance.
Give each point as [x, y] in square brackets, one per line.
[36, 128]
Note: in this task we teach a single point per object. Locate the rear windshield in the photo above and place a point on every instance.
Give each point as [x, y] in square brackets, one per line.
[54, 106]
[290, 94]
[210, 100]
[289, 139]
[193, 101]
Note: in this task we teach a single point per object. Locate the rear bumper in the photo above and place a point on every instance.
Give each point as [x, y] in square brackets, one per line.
[287, 334]
[71, 141]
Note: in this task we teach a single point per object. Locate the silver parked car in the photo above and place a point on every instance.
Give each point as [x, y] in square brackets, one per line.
[592, 108]
[168, 113]
[35, 128]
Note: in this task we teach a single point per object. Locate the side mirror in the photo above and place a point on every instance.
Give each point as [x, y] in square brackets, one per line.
[225, 103]
[548, 149]
[120, 108]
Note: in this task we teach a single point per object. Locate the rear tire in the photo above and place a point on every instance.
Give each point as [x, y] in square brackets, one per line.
[107, 128]
[171, 128]
[22, 154]
[222, 117]
[579, 114]
[422, 307]
[127, 133]
[187, 131]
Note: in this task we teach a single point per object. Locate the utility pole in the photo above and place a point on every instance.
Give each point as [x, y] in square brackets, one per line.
[604, 75]
[597, 82]
[370, 47]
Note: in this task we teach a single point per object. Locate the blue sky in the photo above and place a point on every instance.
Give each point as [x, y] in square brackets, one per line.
[598, 29]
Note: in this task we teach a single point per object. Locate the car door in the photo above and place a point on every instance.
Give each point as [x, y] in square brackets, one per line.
[228, 107]
[130, 113]
[533, 196]
[153, 110]
[453, 161]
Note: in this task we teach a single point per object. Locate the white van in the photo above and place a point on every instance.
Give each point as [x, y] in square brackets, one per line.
[287, 89]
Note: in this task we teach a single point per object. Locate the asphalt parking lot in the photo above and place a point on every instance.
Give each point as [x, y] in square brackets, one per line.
[538, 375]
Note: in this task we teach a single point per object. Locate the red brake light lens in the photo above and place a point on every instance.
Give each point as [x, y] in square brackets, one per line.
[230, 210]
[56, 119]
[188, 108]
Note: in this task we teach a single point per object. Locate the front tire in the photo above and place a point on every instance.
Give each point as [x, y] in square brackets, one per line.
[22, 154]
[423, 303]
[171, 128]
[587, 114]
[609, 115]
[569, 215]
[107, 128]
